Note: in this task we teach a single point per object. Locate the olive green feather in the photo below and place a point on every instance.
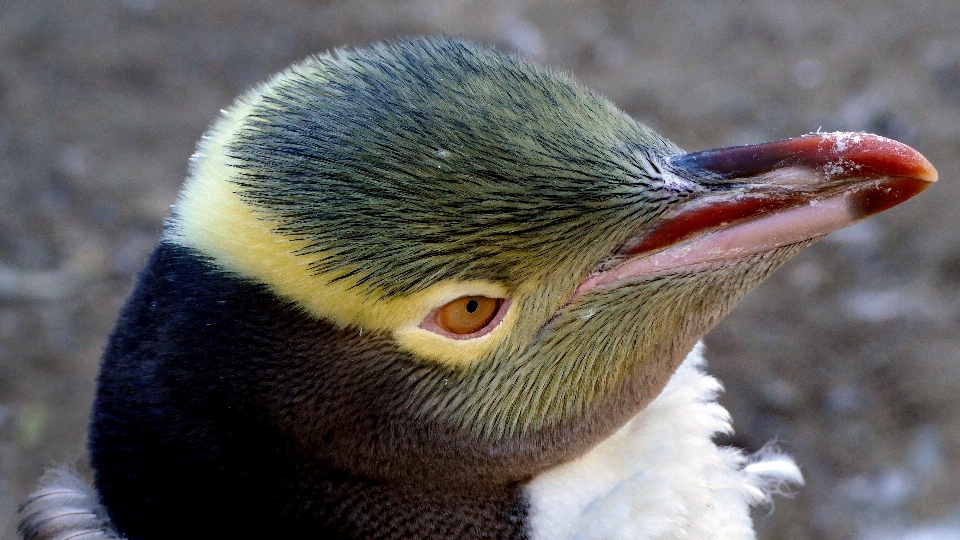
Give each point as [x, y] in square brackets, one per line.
[415, 162]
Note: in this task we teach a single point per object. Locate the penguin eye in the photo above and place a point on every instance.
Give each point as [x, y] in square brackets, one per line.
[466, 316]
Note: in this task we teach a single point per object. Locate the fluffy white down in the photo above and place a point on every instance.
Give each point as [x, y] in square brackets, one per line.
[661, 476]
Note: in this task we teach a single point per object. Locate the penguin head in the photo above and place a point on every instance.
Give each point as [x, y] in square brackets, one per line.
[510, 267]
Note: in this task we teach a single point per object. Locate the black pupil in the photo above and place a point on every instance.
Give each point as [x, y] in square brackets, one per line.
[472, 306]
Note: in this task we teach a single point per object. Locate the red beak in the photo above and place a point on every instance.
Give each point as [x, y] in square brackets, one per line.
[752, 199]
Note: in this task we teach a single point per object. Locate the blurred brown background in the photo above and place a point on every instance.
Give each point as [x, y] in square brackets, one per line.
[849, 356]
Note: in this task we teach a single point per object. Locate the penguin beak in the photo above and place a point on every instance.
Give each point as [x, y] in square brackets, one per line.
[747, 200]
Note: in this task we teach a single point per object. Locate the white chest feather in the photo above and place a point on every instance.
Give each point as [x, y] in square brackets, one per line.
[661, 476]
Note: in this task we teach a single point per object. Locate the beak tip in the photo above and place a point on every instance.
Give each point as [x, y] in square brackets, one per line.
[928, 171]
[876, 153]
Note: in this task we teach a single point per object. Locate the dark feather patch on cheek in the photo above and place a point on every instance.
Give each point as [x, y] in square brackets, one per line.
[266, 408]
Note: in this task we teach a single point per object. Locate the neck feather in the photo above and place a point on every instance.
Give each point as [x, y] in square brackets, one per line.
[661, 476]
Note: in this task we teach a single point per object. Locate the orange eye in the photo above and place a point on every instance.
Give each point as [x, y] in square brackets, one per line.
[468, 314]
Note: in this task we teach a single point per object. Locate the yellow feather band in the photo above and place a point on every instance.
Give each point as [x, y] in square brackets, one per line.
[211, 217]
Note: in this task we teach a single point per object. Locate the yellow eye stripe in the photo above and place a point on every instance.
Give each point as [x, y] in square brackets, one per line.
[211, 217]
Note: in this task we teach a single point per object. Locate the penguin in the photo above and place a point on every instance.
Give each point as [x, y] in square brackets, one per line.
[427, 289]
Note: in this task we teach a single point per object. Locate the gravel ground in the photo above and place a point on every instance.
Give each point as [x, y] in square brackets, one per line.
[849, 356]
